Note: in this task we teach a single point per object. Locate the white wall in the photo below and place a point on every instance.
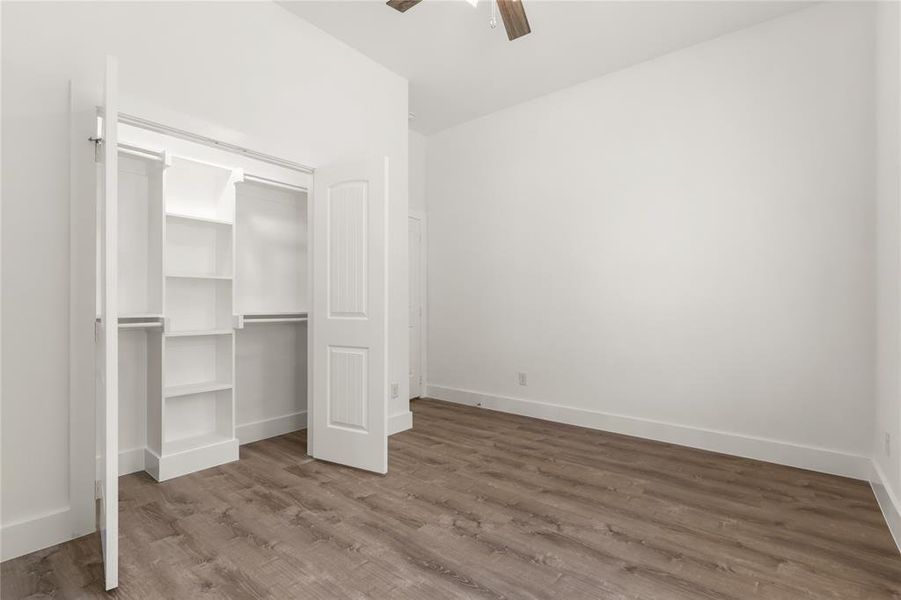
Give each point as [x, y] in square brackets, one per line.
[887, 476]
[682, 250]
[417, 173]
[248, 73]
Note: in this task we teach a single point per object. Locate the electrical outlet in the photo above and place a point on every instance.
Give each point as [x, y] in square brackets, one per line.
[888, 443]
[395, 390]
[523, 380]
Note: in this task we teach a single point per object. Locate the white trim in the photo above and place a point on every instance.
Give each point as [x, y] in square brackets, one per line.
[888, 502]
[35, 533]
[169, 466]
[196, 138]
[267, 428]
[130, 461]
[400, 422]
[423, 296]
[784, 453]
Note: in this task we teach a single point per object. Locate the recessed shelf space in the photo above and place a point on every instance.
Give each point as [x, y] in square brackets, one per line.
[198, 249]
[196, 364]
[198, 305]
[196, 219]
[201, 253]
[140, 229]
[201, 190]
[271, 242]
[198, 420]
[189, 389]
[140, 381]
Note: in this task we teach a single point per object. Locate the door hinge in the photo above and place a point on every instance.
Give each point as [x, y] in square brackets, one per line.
[98, 141]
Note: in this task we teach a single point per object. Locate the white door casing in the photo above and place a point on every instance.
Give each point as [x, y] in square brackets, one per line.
[348, 342]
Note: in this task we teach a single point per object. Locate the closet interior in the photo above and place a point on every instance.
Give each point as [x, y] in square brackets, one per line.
[213, 305]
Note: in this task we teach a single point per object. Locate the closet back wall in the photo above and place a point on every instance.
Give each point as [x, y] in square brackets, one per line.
[248, 73]
[682, 250]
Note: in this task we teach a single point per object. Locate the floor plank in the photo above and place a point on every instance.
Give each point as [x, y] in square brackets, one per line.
[480, 504]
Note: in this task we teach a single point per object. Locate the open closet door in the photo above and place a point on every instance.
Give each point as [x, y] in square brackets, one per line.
[107, 342]
[348, 342]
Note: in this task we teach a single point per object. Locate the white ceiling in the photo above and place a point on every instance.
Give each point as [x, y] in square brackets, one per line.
[460, 69]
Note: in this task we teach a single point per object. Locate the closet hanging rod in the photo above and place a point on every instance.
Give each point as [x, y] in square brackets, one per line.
[276, 320]
[140, 325]
[140, 322]
[158, 156]
[273, 183]
[128, 119]
[140, 152]
[288, 317]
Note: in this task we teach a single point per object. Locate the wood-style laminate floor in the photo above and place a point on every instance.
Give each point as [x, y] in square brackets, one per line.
[479, 504]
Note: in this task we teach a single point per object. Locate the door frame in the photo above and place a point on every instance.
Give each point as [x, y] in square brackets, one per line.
[423, 297]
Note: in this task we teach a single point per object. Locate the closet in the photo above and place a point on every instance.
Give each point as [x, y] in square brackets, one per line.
[229, 305]
[213, 305]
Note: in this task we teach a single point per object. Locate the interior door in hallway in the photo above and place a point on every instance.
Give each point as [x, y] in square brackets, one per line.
[415, 324]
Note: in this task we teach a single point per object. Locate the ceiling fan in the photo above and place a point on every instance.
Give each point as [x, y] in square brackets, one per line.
[512, 12]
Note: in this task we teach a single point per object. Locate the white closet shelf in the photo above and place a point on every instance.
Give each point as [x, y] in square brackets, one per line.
[198, 219]
[199, 333]
[199, 276]
[147, 321]
[195, 443]
[174, 391]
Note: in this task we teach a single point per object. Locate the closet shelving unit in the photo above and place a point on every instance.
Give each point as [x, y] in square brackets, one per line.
[204, 360]
[197, 408]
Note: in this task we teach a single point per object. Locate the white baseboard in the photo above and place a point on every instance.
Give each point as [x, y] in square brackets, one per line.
[170, 466]
[400, 422]
[267, 428]
[775, 451]
[28, 535]
[131, 461]
[22, 537]
[888, 502]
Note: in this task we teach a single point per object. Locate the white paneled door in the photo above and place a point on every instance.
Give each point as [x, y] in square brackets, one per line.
[414, 226]
[107, 364]
[348, 342]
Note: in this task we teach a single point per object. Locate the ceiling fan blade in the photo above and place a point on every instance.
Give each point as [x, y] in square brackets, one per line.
[402, 5]
[514, 16]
